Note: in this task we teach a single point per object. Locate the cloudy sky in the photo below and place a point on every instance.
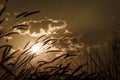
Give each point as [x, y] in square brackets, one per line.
[94, 19]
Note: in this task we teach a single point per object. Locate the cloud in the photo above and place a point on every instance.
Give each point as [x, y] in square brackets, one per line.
[8, 37]
[57, 29]
[71, 44]
[45, 26]
[54, 28]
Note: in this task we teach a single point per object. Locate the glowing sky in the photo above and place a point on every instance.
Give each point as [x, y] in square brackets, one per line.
[95, 19]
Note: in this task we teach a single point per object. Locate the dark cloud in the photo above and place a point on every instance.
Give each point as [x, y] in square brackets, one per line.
[36, 26]
[44, 27]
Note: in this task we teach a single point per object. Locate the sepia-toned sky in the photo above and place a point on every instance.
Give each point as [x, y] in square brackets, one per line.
[94, 19]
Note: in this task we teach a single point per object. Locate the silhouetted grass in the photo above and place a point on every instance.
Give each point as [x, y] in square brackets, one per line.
[17, 65]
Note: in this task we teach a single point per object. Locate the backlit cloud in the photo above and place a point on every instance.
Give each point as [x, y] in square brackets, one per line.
[45, 26]
[54, 28]
[57, 29]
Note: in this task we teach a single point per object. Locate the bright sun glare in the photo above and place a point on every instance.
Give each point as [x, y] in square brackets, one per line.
[35, 48]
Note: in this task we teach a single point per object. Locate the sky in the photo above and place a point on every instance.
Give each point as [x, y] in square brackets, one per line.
[93, 19]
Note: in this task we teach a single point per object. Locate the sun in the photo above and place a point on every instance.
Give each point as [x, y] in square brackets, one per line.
[35, 48]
